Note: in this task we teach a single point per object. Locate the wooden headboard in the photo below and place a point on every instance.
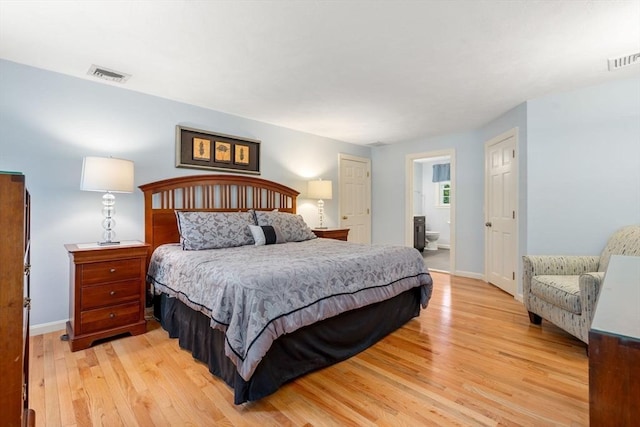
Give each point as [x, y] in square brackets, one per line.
[212, 193]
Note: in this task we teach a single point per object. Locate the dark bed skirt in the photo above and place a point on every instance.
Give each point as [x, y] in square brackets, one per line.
[290, 356]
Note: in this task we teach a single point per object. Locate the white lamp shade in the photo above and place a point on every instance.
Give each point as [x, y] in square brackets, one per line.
[319, 189]
[107, 174]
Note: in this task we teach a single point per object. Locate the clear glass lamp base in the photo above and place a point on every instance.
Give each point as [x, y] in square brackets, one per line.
[108, 223]
[321, 215]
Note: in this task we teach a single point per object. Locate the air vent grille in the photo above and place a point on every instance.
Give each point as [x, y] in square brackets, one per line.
[108, 74]
[377, 144]
[624, 61]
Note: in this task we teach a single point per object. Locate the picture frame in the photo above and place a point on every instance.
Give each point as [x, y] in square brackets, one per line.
[202, 149]
[223, 152]
[241, 155]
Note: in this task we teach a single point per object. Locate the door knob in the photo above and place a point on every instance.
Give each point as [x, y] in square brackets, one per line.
[487, 224]
[345, 217]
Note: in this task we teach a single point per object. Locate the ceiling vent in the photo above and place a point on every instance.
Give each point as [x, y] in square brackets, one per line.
[107, 74]
[377, 144]
[624, 61]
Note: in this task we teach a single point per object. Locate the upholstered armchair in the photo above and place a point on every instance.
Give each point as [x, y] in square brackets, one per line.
[564, 289]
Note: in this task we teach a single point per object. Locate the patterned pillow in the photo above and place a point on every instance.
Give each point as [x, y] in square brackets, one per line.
[214, 230]
[266, 235]
[254, 219]
[292, 227]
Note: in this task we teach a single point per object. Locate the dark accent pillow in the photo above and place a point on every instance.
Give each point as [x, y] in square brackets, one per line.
[266, 235]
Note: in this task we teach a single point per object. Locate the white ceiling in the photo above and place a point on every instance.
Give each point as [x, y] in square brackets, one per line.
[356, 71]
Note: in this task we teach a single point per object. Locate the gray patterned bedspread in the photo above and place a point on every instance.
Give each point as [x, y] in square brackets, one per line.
[254, 294]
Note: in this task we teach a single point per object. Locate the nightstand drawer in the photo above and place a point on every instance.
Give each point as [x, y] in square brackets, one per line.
[109, 294]
[110, 271]
[109, 317]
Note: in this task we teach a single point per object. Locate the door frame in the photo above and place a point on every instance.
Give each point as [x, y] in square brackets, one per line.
[409, 185]
[516, 182]
[344, 156]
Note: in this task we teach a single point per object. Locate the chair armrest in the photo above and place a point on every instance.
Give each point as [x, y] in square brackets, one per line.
[555, 265]
[590, 285]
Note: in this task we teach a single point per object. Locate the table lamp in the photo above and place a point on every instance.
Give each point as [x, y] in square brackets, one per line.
[321, 190]
[107, 175]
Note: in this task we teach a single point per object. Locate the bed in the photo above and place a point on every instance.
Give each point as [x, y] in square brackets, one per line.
[260, 315]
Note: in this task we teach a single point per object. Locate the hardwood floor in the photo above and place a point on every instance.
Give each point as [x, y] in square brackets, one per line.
[471, 358]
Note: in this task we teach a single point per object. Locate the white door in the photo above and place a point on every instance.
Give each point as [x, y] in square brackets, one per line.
[500, 211]
[355, 197]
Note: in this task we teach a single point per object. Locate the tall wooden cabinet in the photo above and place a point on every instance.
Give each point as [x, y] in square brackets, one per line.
[15, 301]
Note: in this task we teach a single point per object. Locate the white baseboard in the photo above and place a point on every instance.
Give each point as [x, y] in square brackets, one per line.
[466, 274]
[45, 328]
[436, 270]
[469, 274]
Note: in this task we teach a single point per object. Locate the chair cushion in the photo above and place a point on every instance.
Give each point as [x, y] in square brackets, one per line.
[561, 291]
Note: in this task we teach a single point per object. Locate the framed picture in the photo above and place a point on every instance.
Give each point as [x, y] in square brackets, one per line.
[241, 154]
[202, 149]
[223, 152]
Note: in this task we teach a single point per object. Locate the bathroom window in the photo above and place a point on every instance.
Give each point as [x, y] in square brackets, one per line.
[444, 194]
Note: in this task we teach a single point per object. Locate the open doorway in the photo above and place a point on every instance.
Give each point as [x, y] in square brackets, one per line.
[431, 202]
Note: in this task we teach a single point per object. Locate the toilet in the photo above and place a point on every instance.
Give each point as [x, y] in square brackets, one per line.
[432, 240]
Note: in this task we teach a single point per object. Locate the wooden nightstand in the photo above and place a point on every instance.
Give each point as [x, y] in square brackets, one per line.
[332, 233]
[107, 291]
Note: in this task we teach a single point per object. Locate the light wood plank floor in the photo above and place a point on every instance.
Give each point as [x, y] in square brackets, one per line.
[471, 358]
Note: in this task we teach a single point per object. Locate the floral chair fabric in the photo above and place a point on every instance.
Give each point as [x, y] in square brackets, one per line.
[564, 289]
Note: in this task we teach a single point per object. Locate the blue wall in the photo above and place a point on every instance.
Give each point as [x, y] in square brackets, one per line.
[579, 167]
[49, 122]
[579, 175]
[389, 196]
[583, 167]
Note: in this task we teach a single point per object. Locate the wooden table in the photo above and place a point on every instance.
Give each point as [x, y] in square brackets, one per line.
[106, 291]
[332, 233]
[614, 347]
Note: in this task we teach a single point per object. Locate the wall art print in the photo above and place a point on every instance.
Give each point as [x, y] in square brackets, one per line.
[202, 149]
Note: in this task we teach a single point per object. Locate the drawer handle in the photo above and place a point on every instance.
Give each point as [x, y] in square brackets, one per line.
[113, 270]
[112, 293]
[112, 315]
